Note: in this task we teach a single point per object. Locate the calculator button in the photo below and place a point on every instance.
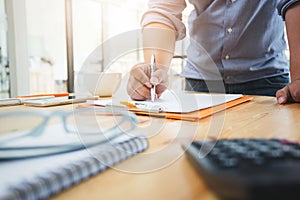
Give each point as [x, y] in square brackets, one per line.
[275, 154]
[230, 163]
[295, 153]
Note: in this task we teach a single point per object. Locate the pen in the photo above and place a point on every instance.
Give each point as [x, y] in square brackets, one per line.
[142, 107]
[128, 104]
[133, 105]
[152, 67]
[42, 95]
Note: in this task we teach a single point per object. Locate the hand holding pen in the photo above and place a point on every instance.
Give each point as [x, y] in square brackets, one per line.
[141, 81]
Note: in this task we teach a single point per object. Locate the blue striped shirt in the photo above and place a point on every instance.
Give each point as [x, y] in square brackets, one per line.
[233, 40]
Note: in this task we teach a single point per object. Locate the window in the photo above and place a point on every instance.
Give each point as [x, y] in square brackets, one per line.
[46, 45]
[4, 71]
[93, 23]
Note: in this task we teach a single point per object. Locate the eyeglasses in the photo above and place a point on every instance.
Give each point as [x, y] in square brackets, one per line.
[82, 127]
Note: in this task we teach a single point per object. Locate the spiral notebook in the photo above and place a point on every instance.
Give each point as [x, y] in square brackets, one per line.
[40, 177]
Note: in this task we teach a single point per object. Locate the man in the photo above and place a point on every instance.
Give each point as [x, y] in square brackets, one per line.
[236, 46]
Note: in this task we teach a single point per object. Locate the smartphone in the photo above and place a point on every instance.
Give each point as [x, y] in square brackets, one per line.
[59, 101]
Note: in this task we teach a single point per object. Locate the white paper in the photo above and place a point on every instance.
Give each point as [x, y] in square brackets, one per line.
[176, 102]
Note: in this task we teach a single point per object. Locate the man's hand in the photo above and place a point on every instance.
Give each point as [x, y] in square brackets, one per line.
[290, 93]
[140, 82]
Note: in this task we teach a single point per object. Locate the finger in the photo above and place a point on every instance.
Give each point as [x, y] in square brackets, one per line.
[137, 94]
[283, 95]
[159, 76]
[160, 89]
[140, 74]
[137, 90]
[294, 91]
[160, 80]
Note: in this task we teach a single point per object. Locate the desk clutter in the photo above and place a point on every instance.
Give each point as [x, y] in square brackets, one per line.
[45, 100]
[171, 105]
[46, 159]
[248, 168]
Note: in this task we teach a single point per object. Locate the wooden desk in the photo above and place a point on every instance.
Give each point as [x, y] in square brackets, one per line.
[163, 172]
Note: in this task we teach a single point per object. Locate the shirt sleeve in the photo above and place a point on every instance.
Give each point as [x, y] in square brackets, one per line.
[167, 12]
[284, 5]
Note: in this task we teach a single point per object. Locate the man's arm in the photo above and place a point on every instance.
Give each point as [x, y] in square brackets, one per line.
[292, 91]
[158, 39]
[162, 26]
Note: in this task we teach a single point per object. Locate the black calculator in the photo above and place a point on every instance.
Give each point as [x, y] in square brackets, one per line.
[248, 168]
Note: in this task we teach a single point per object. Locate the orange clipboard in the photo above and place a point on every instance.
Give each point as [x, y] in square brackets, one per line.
[199, 114]
[191, 116]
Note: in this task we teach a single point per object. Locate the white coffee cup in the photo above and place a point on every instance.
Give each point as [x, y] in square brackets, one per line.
[101, 84]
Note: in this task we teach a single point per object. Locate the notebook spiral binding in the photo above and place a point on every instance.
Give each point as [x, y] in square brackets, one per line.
[47, 185]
